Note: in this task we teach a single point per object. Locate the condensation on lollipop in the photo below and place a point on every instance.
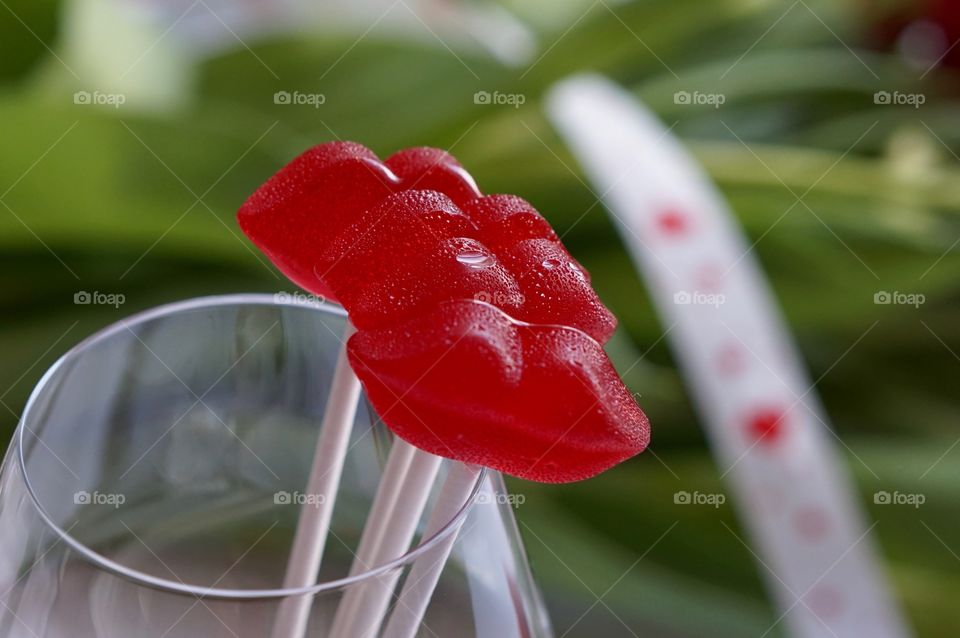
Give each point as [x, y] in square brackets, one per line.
[479, 336]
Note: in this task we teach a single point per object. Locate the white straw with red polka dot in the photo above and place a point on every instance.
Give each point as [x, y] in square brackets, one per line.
[769, 435]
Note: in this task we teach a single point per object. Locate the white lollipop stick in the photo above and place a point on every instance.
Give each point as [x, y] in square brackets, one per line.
[388, 492]
[363, 607]
[314, 522]
[422, 580]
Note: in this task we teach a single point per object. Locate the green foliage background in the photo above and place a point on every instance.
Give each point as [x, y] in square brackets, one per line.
[140, 201]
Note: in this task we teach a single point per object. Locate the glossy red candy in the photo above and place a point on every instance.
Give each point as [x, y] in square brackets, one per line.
[478, 334]
[425, 168]
[555, 288]
[308, 202]
[408, 254]
[392, 233]
[468, 382]
[504, 220]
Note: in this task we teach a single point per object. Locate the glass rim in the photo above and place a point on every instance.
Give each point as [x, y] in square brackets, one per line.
[163, 584]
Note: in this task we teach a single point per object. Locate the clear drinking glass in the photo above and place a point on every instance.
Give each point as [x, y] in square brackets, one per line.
[153, 488]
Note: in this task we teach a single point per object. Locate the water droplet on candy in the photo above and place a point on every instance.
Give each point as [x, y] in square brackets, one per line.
[551, 263]
[475, 259]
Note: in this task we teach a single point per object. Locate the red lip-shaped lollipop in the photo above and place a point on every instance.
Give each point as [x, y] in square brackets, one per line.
[478, 334]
